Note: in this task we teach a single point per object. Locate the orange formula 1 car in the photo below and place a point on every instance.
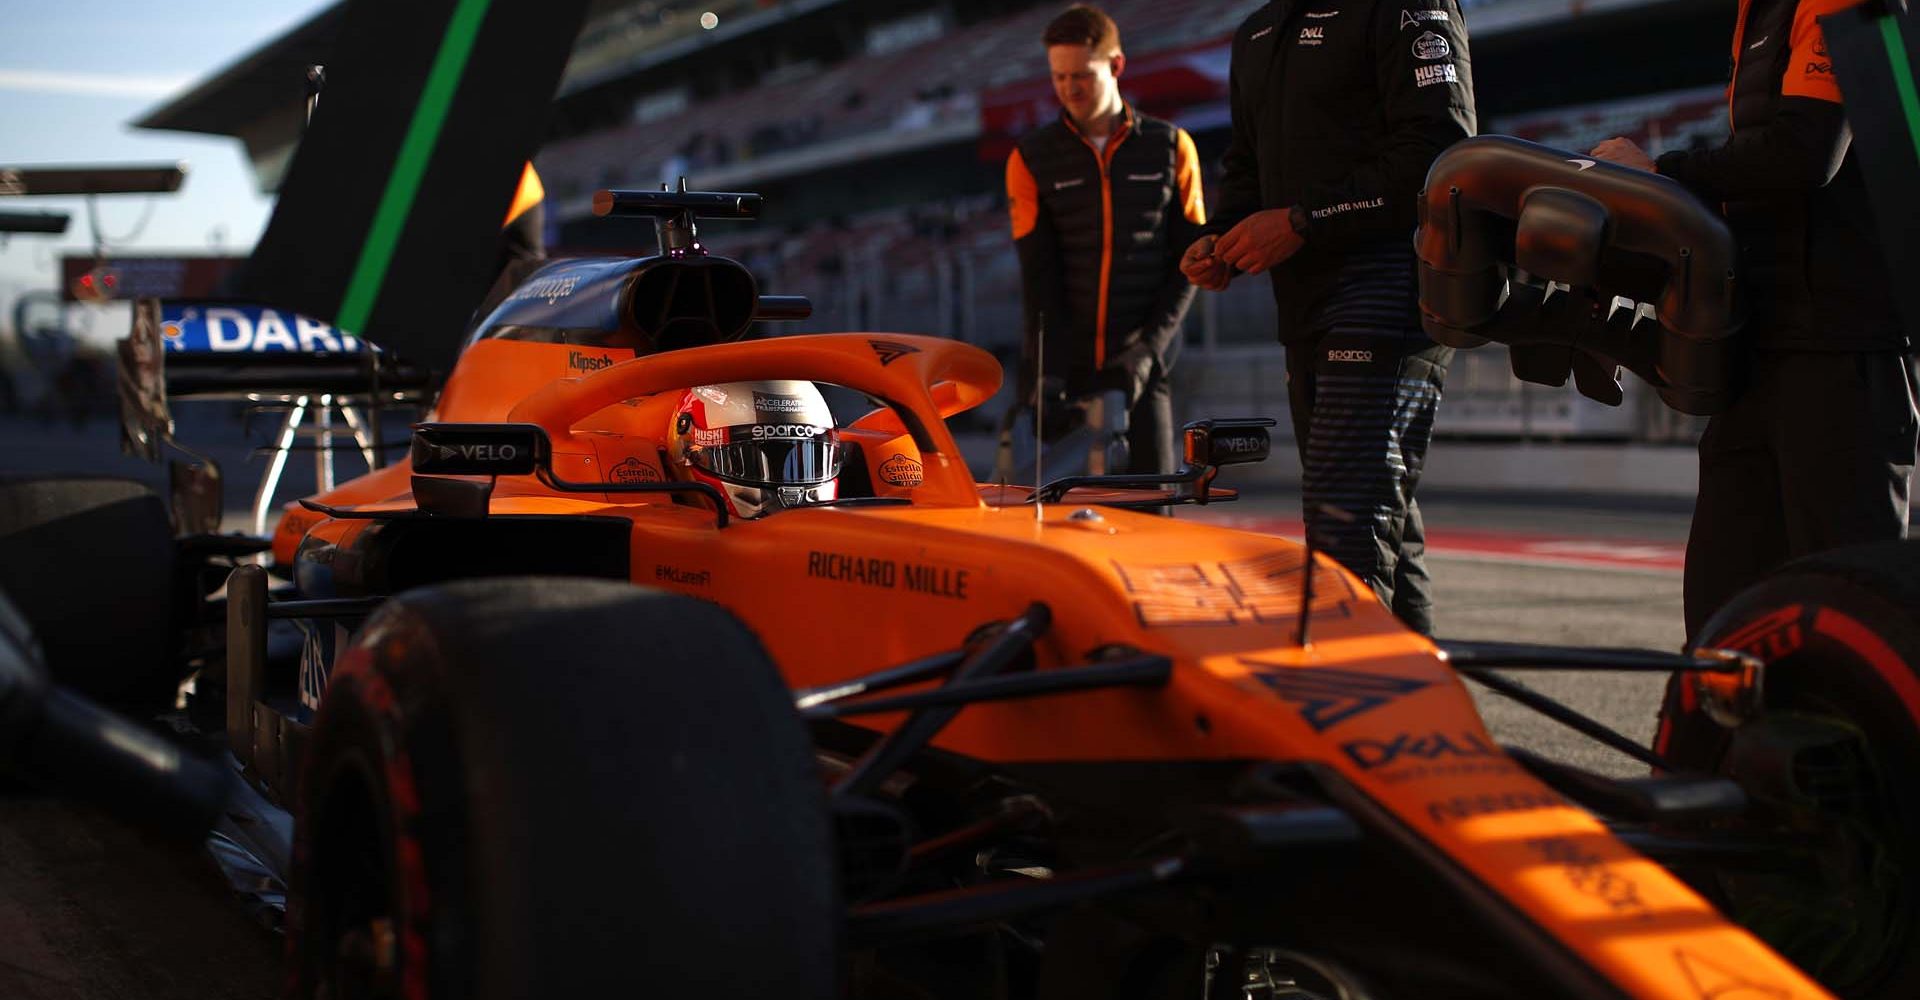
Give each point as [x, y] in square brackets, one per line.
[631, 681]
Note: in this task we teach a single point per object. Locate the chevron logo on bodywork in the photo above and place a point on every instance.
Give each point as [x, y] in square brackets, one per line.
[891, 350]
[1329, 697]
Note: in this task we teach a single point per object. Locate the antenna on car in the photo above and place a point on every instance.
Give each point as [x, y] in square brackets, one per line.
[1039, 400]
[316, 79]
[1305, 634]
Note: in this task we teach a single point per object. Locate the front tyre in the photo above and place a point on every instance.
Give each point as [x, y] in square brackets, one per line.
[1831, 758]
[557, 787]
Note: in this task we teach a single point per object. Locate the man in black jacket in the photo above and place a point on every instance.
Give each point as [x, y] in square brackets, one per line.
[1103, 199]
[1817, 450]
[1339, 107]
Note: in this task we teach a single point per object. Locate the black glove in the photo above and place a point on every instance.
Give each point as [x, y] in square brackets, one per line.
[1051, 392]
[1059, 415]
[1129, 372]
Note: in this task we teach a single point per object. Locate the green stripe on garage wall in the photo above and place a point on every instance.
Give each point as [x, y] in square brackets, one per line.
[416, 150]
[1902, 79]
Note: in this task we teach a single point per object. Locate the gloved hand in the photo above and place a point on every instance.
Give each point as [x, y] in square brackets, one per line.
[1059, 415]
[1129, 372]
[1051, 391]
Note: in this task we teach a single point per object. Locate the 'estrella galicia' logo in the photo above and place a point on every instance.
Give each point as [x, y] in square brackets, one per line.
[902, 471]
[632, 470]
[1330, 697]
[891, 350]
[1431, 46]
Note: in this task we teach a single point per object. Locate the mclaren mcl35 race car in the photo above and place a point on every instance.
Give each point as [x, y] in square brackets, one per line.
[639, 676]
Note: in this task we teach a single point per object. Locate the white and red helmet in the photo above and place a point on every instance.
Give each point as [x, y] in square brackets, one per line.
[765, 445]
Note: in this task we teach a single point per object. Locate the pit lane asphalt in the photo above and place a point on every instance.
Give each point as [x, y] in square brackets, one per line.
[89, 908]
[1487, 593]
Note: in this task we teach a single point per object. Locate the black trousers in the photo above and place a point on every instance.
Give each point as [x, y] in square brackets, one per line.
[1150, 429]
[1817, 452]
[1363, 398]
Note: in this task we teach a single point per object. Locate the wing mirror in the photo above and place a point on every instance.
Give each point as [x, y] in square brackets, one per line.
[491, 450]
[1236, 441]
[479, 449]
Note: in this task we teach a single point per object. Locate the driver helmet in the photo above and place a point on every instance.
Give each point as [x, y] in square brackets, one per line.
[765, 445]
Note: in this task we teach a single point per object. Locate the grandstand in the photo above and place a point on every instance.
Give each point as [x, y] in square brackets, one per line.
[877, 129]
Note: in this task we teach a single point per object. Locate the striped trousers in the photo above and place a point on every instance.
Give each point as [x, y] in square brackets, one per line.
[1363, 389]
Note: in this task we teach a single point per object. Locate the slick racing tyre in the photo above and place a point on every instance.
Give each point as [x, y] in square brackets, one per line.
[1830, 760]
[558, 787]
[89, 562]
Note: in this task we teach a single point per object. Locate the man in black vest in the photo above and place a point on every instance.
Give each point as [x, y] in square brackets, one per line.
[1339, 107]
[1817, 450]
[1103, 200]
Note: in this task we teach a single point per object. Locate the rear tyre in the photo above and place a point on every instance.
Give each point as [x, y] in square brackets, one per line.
[1832, 756]
[89, 563]
[559, 787]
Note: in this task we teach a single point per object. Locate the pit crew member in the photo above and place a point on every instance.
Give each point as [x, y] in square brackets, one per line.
[1103, 199]
[1817, 449]
[1339, 107]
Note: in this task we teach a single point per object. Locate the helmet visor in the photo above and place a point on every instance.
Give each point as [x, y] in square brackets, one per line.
[798, 461]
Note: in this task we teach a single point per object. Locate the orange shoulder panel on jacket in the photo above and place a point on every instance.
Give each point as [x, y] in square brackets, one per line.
[530, 193]
[1809, 67]
[1023, 196]
[1193, 201]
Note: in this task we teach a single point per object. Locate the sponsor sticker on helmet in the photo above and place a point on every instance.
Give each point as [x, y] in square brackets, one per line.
[902, 471]
[767, 402]
[784, 432]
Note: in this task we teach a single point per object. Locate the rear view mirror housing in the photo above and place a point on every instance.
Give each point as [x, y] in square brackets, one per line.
[1227, 441]
[479, 449]
[442, 452]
